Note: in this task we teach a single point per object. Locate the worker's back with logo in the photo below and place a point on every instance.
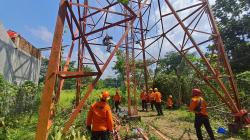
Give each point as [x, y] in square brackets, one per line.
[100, 117]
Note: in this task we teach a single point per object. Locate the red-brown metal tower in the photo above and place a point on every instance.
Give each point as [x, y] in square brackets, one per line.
[145, 30]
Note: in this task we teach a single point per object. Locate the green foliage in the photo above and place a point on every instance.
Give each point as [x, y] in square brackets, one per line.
[175, 77]
[243, 81]
[100, 84]
[171, 85]
[15, 100]
[27, 98]
[233, 17]
[8, 94]
[20, 127]
[119, 67]
[43, 70]
[170, 62]
[17, 107]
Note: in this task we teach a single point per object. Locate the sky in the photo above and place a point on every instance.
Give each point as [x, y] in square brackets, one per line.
[35, 21]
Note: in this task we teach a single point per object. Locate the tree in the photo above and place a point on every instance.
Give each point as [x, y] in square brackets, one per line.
[120, 65]
[174, 76]
[120, 69]
[233, 17]
[174, 62]
[43, 70]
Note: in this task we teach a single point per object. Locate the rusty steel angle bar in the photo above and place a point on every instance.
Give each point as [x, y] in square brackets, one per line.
[200, 74]
[91, 86]
[225, 58]
[221, 84]
[47, 93]
[83, 38]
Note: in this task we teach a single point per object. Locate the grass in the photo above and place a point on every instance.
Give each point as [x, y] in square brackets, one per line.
[23, 127]
[178, 124]
[173, 124]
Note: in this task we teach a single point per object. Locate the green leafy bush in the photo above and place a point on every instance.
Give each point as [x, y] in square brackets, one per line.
[26, 98]
[8, 94]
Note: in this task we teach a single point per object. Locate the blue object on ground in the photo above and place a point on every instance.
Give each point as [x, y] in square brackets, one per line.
[221, 130]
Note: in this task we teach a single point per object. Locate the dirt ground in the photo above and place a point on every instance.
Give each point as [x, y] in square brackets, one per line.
[176, 125]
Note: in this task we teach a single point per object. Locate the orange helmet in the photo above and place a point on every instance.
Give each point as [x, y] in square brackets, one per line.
[105, 95]
[196, 92]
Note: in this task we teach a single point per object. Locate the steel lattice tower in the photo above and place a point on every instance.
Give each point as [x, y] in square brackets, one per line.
[144, 30]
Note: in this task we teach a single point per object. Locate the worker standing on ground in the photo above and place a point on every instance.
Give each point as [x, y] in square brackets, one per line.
[117, 99]
[152, 98]
[170, 102]
[100, 117]
[144, 100]
[199, 106]
[158, 102]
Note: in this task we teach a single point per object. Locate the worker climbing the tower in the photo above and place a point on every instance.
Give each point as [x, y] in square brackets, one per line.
[199, 106]
[99, 119]
[144, 100]
[158, 102]
[107, 41]
[170, 102]
[117, 99]
[151, 97]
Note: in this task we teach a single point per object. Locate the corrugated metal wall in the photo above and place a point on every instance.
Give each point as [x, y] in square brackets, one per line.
[16, 65]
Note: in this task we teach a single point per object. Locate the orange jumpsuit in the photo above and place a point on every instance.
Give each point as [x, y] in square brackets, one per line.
[170, 102]
[100, 117]
[158, 103]
[157, 97]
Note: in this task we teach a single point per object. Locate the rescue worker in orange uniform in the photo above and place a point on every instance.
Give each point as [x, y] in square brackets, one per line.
[99, 119]
[199, 106]
[170, 102]
[158, 102]
[144, 100]
[151, 98]
[117, 99]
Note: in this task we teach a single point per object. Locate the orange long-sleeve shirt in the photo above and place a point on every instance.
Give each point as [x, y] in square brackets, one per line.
[143, 96]
[195, 102]
[117, 98]
[152, 96]
[158, 97]
[100, 117]
[170, 102]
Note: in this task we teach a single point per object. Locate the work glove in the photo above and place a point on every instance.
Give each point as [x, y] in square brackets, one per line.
[88, 128]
